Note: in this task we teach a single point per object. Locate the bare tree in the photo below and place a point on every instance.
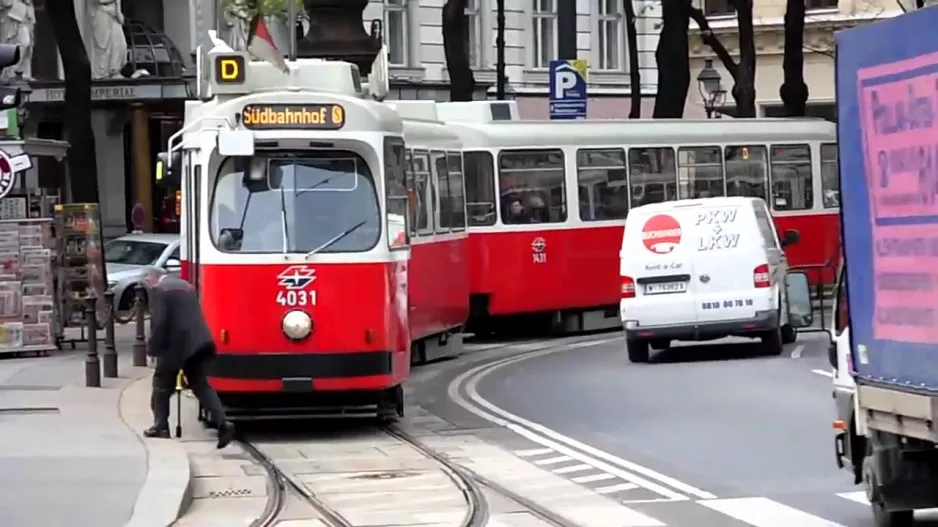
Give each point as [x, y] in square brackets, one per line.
[794, 91]
[744, 71]
[635, 75]
[673, 60]
[82, 161]
[462, 82]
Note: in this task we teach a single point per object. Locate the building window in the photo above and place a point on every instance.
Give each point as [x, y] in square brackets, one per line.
[545, 32]
[395, 31]
[473, 33]
[609, 32]
[717, 7]
[814, 5]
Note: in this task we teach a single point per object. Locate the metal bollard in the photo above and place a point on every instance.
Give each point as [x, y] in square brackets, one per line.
[92, 361]
[140, 339]
[110, 350]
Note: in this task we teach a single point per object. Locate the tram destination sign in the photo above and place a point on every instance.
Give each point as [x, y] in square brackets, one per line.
[293, 116]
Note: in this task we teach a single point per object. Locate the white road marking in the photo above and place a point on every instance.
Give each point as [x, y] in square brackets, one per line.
[573, 468]
[626, 470]
[763, 512]
[858, 497]
[534, 452]
[592, 477]
[553, 460]
[824, 373]
[796, 353]
[616, 488]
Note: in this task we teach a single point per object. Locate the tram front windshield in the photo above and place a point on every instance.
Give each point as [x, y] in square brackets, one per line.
[303, 202]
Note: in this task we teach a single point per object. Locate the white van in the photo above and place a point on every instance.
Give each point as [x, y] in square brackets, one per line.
[704, 269]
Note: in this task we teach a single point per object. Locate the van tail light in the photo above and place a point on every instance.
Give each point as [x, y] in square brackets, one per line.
[628, 287]
[760, 276]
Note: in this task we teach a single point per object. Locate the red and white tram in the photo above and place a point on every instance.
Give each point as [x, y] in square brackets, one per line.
[294, 226]
[531, 251]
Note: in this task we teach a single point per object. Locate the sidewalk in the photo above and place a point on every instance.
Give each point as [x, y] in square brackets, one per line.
[69, 457]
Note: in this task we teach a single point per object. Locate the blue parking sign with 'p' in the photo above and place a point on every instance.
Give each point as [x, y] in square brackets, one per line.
[567, 86]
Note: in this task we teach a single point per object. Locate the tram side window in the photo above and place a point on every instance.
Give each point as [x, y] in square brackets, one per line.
[745, 171]
[603, 186]
[652, 175]
[457, 197]
[791, 177]
[700, 172]
[480, 188]
[532, 185]
[395, 169]
[411, 195]
[830, 184]
[423, 190]
[441, 183]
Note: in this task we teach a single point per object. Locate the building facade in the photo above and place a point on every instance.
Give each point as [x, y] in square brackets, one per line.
[418, 70]
[824, 17]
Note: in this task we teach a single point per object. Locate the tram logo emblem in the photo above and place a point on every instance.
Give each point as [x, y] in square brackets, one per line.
[539, 250]
[661, 234]
[296, 277]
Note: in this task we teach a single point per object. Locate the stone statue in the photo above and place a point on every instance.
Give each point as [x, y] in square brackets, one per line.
[109, 45]
[17, 26]
[236, 28]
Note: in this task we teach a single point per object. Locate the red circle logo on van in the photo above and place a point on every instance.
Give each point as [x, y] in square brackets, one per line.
[661, 234]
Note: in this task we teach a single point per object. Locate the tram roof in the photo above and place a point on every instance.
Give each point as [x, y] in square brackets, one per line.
[644, 132]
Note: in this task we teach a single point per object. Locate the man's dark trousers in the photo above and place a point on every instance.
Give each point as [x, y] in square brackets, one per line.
[164, 384]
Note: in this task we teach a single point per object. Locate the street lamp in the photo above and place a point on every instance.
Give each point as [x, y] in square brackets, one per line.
[711, 88]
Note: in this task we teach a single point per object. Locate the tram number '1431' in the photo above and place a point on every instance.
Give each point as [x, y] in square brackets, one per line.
[296, 298]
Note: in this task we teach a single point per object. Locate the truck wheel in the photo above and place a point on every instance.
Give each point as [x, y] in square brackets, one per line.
[887, 518]
[789, 334]
[638, 350]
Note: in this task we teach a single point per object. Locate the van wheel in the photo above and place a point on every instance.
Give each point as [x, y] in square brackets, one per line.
[638, 350]
[772, 341]
[789, 334]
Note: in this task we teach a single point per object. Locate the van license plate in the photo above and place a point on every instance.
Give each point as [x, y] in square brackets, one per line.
[665, 287]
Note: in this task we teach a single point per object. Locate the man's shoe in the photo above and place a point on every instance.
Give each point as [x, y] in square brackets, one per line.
[226, 433]
[155, 431]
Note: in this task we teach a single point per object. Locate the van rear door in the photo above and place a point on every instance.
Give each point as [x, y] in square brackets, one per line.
[657, 254]
[727, 249]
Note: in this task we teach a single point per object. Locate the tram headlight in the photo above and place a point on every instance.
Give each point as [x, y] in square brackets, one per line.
[297, 325]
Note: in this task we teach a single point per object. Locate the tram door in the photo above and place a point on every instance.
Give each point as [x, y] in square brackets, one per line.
[191, 217]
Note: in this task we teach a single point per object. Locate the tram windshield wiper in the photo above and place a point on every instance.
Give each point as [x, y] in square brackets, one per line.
[336, 238]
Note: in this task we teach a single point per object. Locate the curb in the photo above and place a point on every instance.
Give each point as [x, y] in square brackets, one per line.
[167, 488]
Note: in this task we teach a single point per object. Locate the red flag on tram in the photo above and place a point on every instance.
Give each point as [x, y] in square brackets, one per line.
[261, 45]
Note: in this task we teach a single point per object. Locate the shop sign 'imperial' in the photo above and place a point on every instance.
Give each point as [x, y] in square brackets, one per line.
[294, 116]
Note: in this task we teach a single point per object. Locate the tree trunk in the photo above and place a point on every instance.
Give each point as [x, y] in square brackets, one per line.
[794, 91]
[81, 159]
[635, 74]
[672, 57]
[744, 90]
[462, 82]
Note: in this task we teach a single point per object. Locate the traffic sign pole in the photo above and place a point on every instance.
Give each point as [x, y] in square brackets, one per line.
[566, 29]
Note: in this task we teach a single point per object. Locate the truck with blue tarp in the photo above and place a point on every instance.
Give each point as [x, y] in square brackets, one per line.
[887, 110]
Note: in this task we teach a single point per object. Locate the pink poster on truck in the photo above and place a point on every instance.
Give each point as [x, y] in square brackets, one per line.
[899, 113]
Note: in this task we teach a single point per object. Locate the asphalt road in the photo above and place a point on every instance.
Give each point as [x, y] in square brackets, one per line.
[716, 417]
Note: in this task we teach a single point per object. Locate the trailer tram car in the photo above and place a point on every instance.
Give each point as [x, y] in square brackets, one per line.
[294, 225]
[547, 200]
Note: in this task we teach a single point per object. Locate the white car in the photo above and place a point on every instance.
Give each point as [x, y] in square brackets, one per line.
[126, 258]
[704, 269]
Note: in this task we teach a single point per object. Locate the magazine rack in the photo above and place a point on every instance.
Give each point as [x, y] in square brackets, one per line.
[27, 286]
[81, 271]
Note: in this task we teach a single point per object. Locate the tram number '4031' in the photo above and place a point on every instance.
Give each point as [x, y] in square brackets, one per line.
[296, 298]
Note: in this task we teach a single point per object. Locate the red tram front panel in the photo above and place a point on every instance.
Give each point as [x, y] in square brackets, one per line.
[545, 270]
[359, 339]
[819, 244]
